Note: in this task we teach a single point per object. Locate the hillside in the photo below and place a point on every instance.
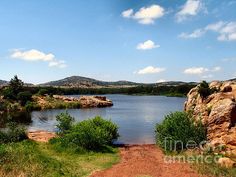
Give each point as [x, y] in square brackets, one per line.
[84, 82]
[2, 82]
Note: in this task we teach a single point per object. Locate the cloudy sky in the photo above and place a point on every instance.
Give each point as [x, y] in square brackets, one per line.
[136, 40]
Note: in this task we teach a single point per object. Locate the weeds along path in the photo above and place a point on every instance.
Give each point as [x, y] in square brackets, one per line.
[145, 161]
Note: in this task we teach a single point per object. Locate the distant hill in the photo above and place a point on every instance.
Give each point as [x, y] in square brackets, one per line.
[85, 82]
[2, 82]
[232, 79]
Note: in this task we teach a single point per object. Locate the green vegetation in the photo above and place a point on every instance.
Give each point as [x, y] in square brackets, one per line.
[204, 90]
[213, 169]
[53, 103]
[179, 90]
[70, 154]
[95, 134]
[65, 122]
[12, 133]
[177, 130]
[14, 88]
[24, 97]
[210, 167]
[33, 159]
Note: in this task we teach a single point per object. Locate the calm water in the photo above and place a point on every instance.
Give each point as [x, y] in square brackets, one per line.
[135, 115]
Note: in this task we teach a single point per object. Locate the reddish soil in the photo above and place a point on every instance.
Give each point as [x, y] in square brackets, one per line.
[145, 161]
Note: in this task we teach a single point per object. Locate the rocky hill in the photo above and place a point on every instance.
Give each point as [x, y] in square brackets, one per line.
[218, 112]
[78, 81]
[84, 82]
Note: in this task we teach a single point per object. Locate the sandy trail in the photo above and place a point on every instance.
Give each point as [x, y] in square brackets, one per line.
[145, 161]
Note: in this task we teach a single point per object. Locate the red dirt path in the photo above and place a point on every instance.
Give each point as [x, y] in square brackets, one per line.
[145, 161]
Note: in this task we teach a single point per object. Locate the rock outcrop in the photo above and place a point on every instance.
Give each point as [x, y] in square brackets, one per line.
[87, 101]
[217, 112]
[41, 135]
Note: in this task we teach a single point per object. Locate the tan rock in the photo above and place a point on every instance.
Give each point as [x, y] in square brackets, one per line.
[94, 101]
[217, 112]
[226, 162]
[41, 135]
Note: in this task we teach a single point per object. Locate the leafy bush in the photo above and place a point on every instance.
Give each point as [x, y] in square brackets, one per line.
[12, 133]
[8, 94]
[30, 106]
[177, 130]
[204, 90]
[43, 91]
[65, 122]
[91, 134]
[23, 97]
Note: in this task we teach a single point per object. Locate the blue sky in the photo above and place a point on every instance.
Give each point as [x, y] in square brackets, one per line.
[136, 40]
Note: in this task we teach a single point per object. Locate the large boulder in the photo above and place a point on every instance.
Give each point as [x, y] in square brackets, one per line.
[217, 112]
[94, 101]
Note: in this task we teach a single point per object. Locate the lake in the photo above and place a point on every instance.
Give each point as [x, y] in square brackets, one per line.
[136, 116]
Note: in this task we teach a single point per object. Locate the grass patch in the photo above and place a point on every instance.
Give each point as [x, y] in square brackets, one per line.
[213, 169]
[33, 159]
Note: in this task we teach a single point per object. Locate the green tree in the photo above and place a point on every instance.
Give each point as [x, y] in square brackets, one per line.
[204, 89]
[24, 97]
[16, 85]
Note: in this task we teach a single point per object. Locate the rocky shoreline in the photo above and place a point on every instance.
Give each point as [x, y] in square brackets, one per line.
[87, 101]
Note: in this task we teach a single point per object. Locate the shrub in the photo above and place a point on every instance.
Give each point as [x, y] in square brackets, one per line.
[204, 90]
[43, 91]
[16, 85]
[23, 97]
[12, 133]
[31, 106]
[91, 134]
[8, 94]
[65, 122]
[177, 130]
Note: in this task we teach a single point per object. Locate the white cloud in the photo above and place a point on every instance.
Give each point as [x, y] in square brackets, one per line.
[36, 55]
[32, 55]
[226, 31]
[195, 34]
[216, 69]
[128, 13]
[190, 8]
[145, 15]
[215, 26]
[201, 70]
[57, 63]
[195, 70]
[161, 80]
[151, 70]
[147, 45]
